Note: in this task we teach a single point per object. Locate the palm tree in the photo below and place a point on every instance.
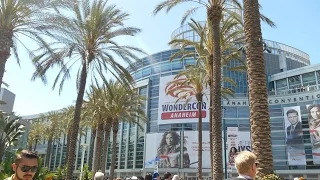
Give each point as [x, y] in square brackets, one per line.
[215, 10]
[35, 134]
[124, 104]
[53, 128]
[11, 130]
[230, 35]
[20, 18]
[85, 35]
[196, 78]
[258, 97]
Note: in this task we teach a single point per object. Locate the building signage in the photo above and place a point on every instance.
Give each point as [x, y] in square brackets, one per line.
[276, 100]
[179, 106]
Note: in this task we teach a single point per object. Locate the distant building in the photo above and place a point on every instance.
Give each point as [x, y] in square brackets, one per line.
[8, 97]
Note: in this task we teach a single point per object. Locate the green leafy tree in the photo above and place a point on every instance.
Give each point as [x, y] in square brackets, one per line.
[124, 105]
[20, 18]
[84, 34]
[10, 131]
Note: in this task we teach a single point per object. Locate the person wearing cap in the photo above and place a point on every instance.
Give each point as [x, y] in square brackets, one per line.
[246, 165]
[156, 176]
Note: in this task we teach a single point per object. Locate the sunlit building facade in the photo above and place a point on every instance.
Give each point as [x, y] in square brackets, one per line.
[292, 84]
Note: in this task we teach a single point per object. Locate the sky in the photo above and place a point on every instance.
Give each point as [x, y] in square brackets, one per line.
[297, 26]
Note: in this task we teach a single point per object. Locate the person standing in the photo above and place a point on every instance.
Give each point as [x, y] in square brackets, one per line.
[167, 176]
[99, 175]
[246, 165]
[25, 165]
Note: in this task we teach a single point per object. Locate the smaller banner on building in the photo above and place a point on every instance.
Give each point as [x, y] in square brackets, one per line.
[294, 136]
[232, 144]
[314, 127]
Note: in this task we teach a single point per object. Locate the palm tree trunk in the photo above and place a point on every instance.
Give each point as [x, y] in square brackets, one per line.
[30, 147]
[5, 44]
[76, 121]
[35, 145]
[105, 146]
[214, 16]
[68, 138]
[93, 138]
[49, 147]
[97, 150]
[199, 99]
[115, 129]
[258, 98]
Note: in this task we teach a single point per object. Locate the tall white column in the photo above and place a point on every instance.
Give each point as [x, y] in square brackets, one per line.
[83, 147]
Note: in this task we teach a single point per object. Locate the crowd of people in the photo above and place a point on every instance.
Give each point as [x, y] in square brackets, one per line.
[26, 164]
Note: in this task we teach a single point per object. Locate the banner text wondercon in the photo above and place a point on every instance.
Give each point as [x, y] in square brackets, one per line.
[179, 107]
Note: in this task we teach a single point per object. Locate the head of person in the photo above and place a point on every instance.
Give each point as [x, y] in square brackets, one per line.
[233, 150]
[98, 176]
[314, 111]
[156, 176]
[293, 116]
[140, 178]
[25, 165]
[170, 138]
[175, 177]
[167, 175]
[148, 176]
[246, 164]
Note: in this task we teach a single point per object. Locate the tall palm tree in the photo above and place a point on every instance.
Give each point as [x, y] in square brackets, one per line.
[124, 104]
[196, 78]
[11, 130]
[258, 97]
[53, 128]
[35, 134]
[84, 34]
[214, 10]
[20, 18]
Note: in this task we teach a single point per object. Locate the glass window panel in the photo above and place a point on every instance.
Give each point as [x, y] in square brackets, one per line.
[146, 71]
[294, 82]
[155, 69]
[230, 112]
[243, 112]
[176, 65]
[165, 67]
[281, 84]
[309, 79]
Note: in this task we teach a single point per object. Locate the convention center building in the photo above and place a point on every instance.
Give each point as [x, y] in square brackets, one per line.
[169, 141]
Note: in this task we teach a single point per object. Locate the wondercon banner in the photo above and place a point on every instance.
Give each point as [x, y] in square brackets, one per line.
[294, 136]
[237, 141]
[165, 149]
[314, 128]
[172, 111]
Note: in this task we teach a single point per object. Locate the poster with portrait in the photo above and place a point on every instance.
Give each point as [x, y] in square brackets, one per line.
[164, 148]
[175, 105]
[313, 111]
[192, 146]
[294, 135]
[237, 141]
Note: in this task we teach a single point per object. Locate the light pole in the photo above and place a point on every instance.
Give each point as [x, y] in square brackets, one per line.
[83, 147]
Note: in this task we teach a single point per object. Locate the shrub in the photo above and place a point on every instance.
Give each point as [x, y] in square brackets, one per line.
[271, 177]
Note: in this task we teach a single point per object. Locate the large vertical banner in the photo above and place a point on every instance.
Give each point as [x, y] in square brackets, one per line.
[232, 144]
[171, 110]
[294, 136]
[314, 128]
[237, 141]
[192, 146]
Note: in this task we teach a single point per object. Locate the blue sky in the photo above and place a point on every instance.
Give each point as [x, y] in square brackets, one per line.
[297, 26]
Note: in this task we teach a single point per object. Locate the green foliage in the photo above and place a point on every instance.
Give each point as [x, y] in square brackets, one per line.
[60, 173]
[11, 130]
[86, 174]
[271, 177]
